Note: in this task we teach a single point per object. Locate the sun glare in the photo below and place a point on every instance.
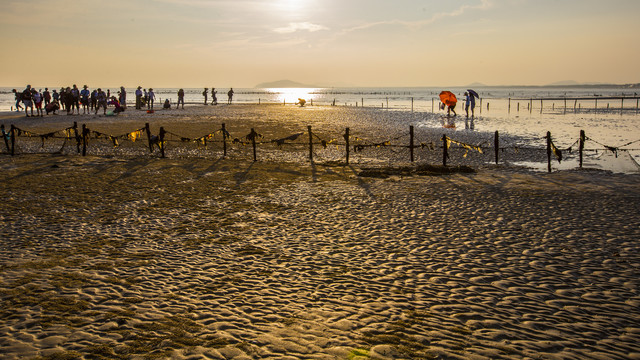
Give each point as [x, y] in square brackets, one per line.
[292, 95]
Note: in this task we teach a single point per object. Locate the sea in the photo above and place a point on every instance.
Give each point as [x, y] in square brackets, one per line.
[609, 115]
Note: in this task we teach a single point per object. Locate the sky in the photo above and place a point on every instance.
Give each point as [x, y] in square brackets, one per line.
[241, 43]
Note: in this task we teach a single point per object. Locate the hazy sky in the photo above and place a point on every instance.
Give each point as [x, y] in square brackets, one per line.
[240, 43]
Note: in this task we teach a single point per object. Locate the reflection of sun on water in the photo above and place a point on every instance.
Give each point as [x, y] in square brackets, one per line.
[291, 95]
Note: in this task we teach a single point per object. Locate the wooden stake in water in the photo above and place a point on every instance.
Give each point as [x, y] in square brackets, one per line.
[445, 150]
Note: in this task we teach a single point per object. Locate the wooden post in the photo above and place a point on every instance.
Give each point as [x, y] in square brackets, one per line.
[480, 105]
[6, 141]
[161, 141]
[621, 104]
[549, 151]
[637, 103]
[12, 131]
[346, 139]
[146, 126]
[530, 105]
[496, 146]
[445, 150]
[84, 139]
[224, 140]
[432, 105]
[581, 145]
[596, 107]
[411, 104]
[78, 138]
[575, 103]
[253, 143]
[518, 107]
[310, 144]
[387, 102]
[565, 105]
[541, 106]
[411, 142]
[509, 108]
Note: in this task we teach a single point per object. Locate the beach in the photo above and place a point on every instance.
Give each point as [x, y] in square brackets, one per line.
[122, 254]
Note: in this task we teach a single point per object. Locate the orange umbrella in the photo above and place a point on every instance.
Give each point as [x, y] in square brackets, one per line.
[448, 98]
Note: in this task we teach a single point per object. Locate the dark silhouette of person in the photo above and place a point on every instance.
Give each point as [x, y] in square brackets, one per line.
[204, 93]
[230, 95]
[180, 98]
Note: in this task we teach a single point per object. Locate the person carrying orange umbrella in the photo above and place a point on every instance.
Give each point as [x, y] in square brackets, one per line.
[450, 100]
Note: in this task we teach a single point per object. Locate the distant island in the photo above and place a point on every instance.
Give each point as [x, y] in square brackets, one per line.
[284, 84]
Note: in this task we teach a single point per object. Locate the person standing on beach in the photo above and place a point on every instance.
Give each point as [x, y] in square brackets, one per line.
[63, 98]
[26, 100]
[84, 100]
[204, 93]
[214, 98]
[139, 98]
[68, 100]
[18, 97]
[230, 95]
[152, 98]
[123, 97]
[75, 94]
[37, 100]
[47, 96]
[94, 100]
[102, 101]
[180, 98]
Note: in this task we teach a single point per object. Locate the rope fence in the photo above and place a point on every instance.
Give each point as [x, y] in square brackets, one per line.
[349, 142]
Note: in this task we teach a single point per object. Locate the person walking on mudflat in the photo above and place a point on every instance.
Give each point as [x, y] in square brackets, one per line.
[152, 98]
[230, 95]
[214, 98]
[204, 93]
[18, 97]
[180, 98]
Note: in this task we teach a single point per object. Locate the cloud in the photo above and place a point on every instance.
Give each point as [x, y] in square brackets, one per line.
[293, 27]
[484, 4]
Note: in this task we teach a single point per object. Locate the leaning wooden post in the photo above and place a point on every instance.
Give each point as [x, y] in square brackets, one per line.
[224, 140]
[84, 139]
[6, 141]
[161, 141]
[12, 131]
[310, 144]
[253, 143]
[346, 139]
[445, 150]
[146, 126]
[496, 146]
[411, 142]
[530, 105]
[581, 145]
[549, 151]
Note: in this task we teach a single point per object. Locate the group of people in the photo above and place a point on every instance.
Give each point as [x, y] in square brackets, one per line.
[72, 98]
[69, 99]
[214, 97]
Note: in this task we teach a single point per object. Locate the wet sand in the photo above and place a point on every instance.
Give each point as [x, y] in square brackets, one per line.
[122, 254]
